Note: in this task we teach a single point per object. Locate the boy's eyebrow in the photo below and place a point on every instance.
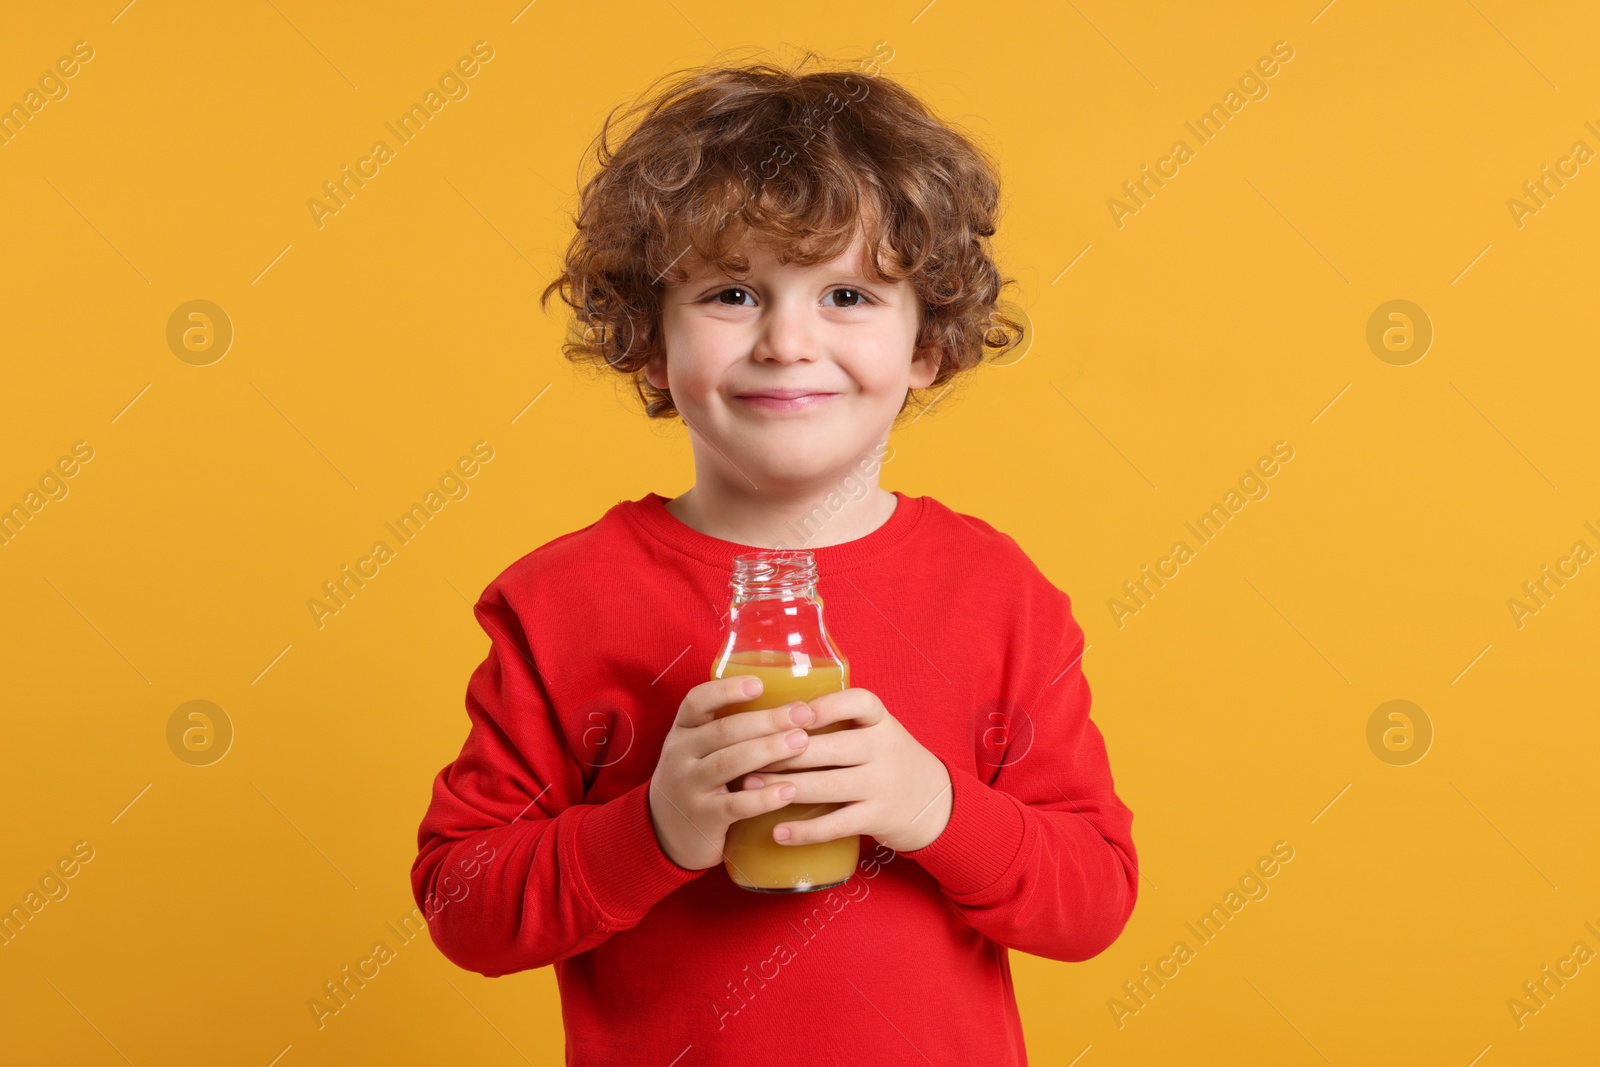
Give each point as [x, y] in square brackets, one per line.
[704, 275]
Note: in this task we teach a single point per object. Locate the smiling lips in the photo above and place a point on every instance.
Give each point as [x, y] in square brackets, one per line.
[784, 399]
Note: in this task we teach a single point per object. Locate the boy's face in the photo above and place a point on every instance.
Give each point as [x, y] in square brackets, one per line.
[828, 330]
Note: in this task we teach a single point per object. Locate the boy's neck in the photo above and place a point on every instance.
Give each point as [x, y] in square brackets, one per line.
[766, 520]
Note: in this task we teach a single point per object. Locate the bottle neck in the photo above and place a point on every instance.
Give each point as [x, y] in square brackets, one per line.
[776, 610]
[774, 574]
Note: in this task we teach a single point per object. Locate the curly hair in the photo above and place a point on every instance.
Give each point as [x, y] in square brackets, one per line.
[806, 161]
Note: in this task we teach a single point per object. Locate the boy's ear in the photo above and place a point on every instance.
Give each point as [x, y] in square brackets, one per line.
[655, 372]
[924, 366]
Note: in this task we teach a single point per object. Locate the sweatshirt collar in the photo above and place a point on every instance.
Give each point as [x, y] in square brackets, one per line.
[650, 514]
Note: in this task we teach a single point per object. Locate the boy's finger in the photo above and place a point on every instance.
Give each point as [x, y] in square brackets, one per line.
[704, 700]
[831, 785]
[846, 707]
[747, 804]
[843, 822]
[744, 725]
[845, 748]
[725, 767]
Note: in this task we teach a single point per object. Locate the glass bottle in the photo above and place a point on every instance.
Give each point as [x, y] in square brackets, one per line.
[775, 632]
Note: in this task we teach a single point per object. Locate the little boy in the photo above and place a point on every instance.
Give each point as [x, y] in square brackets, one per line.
[784, 261]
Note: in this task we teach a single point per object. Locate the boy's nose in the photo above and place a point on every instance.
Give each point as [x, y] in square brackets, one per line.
[786, 336]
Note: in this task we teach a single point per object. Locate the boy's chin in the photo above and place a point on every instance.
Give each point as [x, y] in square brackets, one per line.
[781, 475]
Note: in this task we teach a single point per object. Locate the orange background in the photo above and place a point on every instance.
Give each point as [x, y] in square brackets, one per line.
[1229, 312]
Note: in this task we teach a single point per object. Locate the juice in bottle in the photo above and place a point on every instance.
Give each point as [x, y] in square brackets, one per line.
[776, 634]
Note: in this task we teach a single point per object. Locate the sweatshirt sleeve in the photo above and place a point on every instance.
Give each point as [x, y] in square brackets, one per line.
[1038, 854]
[513, 869]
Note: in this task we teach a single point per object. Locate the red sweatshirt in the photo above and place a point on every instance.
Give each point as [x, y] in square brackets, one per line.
[537, 847]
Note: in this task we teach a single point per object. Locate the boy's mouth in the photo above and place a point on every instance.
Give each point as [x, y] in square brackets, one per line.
[785, 399]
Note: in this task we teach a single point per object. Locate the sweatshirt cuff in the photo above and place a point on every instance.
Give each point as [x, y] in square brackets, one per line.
[982, 840]
[620, 862]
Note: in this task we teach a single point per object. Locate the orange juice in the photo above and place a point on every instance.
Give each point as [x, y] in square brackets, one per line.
[753, 859]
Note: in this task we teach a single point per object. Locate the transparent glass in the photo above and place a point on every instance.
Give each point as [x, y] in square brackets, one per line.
[776, 633]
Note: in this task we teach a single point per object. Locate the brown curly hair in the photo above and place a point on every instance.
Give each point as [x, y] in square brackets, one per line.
[806, 161]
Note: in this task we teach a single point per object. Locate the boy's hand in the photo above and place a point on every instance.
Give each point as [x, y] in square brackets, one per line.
[891, 786]
[691, 805]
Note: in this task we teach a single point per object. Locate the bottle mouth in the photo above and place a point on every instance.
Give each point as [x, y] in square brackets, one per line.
[774, 572]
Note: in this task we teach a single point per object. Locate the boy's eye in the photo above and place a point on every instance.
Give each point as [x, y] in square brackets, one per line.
[856, 297]
[725, 292]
